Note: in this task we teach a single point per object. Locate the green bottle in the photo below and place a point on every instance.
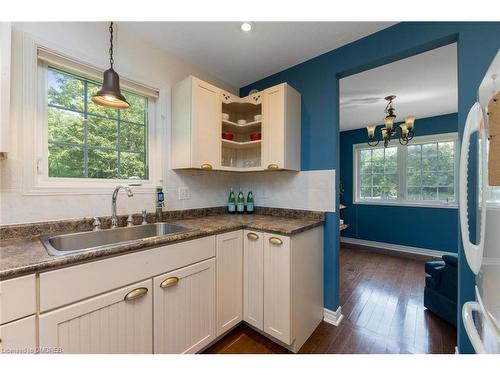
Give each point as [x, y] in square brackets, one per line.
[231, 202]
[250, 204]
[240, 203]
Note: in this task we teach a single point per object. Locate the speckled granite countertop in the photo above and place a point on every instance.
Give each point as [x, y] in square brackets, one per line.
[23, 256]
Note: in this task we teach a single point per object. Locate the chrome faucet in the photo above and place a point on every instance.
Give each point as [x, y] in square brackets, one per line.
[114, 219]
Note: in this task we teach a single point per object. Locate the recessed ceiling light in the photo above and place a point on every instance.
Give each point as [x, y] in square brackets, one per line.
[246, 26]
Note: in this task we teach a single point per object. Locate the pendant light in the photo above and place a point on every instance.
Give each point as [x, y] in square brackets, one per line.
[109, 95]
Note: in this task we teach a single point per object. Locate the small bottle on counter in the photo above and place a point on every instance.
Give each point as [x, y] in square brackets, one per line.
[250, 203]
[231, 202]
[240, 203]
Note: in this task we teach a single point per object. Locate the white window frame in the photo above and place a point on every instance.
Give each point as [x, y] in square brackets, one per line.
[402, 174]
[35, 131]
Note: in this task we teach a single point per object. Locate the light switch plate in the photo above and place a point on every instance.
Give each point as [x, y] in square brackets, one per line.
[184, 193]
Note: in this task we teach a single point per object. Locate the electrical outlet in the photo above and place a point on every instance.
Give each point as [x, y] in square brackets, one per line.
[184, 193]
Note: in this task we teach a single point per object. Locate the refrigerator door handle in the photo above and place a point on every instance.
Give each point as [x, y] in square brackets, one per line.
[490, 321]
[473, 253]
[470, 327]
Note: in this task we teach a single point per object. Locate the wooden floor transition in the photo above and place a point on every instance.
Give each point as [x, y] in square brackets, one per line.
[382, 303]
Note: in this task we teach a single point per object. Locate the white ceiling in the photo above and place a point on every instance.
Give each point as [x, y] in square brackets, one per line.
[425, 86]
[238, 58]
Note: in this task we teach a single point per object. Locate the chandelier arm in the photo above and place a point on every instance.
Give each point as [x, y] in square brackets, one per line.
[372, 144]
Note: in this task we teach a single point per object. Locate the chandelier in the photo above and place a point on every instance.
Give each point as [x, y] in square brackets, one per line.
[404, 132]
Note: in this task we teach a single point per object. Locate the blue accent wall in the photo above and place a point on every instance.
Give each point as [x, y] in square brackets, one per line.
[428, 228]
[317, 81]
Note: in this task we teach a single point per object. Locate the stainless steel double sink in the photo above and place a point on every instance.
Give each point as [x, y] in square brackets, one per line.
[65, 244]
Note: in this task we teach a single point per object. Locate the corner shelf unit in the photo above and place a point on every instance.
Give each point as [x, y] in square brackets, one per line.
[241, 153]
[248, 127]
[240, 145]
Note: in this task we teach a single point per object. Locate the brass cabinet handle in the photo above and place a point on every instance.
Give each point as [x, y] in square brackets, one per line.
[136, 293]
[206, 167]
[275, 241]
[252, 236]
[171, 281]
[273, 166]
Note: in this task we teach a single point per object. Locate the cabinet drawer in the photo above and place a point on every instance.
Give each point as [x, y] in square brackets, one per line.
[61, 287]
[17, 298]
[18, 336]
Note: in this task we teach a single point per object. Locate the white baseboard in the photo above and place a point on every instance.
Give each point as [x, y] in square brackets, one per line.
[394, 247]
[333, 317]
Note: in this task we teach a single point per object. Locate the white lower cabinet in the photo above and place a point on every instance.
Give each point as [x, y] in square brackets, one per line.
[184, 309]
[229, 280]
[283, 284]
[253, 278]
[116, 322]
[18, 336]
[277, 287]
[272, 282]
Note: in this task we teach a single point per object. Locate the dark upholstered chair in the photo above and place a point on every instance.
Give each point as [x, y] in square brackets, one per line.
[440, 294]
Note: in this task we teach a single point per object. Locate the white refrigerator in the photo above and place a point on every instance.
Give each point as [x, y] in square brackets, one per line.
[481, 317]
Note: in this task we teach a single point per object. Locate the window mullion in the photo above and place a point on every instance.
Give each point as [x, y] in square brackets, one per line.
[402, 172]
[85, 131]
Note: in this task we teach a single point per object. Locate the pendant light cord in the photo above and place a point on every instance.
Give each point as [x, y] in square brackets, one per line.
[111, 61]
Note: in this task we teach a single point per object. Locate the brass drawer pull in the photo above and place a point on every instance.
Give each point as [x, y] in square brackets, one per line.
[136, 293]
[273, 166]
[171, 281]
[275, 241]
[206, 166]
[253, 236]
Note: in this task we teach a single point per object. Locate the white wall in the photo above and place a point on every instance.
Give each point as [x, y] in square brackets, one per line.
[135, 59]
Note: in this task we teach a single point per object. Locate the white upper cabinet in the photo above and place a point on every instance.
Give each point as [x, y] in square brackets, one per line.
[281, 128]
[214, 129]
[196, 120]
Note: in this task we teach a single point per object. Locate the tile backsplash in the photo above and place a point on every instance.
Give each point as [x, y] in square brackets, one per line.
[306, 190]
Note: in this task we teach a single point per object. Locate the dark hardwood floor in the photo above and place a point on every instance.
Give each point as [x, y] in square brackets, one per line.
[382, 303]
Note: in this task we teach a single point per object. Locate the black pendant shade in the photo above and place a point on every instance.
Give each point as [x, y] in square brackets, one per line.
[110, 95]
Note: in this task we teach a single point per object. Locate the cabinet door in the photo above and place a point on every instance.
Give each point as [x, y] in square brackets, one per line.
[115, 322]
[229, 280]
[206, 125]
[253, 279]
[277, 287]
[184, 309]
[18, 336]
[273, 127]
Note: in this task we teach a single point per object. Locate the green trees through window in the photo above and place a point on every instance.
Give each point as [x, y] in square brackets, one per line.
[417, 172]
[86, 140]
